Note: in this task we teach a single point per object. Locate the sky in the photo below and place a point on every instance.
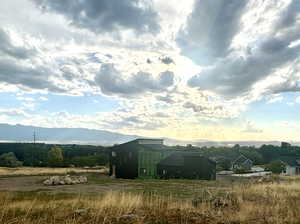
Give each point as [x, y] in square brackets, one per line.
[218, 70]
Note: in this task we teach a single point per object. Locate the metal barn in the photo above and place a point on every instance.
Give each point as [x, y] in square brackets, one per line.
[187, 165]
[137, 158]
[146, 158]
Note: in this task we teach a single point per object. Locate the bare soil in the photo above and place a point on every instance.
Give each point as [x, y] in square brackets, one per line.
[35, 183]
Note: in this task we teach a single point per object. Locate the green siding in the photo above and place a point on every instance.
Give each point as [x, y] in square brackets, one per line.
[147, 162]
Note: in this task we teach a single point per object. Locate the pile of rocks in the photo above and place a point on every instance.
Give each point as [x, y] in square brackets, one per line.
[65, 180]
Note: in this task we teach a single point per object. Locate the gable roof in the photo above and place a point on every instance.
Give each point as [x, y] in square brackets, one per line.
[241, 160]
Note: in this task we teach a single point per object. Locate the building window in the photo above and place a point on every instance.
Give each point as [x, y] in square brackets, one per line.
[130, 155]
[113, 154]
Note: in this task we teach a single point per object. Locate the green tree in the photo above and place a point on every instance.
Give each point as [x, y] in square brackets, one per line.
[276, 166]
[223, 164]
[35, 155]
[55, 157]
[9, 160]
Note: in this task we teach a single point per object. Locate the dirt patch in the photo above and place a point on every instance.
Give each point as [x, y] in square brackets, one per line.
[97, 184]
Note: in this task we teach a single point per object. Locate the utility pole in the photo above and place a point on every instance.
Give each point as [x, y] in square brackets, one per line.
[34, 137]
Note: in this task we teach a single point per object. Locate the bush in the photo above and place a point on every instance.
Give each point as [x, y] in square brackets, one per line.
[55, 157]
[9, 160]
[276, 166]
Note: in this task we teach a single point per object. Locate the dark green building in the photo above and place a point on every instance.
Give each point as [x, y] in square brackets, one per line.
[147, 158]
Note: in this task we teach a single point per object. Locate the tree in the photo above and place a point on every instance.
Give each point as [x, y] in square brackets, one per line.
[35, 155]
[9, 160]
[276, 166]
[55, 157]
[224, 163]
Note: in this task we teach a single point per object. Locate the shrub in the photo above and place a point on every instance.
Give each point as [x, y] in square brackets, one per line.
[9, 160]
[55, 157]
[276, 166]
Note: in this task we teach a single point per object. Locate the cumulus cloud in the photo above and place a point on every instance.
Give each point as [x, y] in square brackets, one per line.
[37, 78]
[105, 15]
[110, 81]
[210, 29]
[17, 67]
[236, 74]
[7, 48]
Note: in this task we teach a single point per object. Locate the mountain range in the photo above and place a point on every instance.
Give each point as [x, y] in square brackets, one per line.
[21, 133]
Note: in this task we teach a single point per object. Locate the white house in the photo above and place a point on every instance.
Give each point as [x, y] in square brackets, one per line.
[292, 165]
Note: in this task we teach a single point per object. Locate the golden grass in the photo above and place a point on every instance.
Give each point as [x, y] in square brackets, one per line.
[35, 171]
[251, 202]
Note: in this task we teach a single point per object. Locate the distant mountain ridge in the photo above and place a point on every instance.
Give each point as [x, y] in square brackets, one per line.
[22, 133]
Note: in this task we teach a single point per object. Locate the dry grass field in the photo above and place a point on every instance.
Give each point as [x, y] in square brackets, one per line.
[239, 200]
[33, 171]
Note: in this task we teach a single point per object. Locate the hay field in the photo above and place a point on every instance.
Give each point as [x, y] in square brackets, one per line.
[247, 201]
[36, 171]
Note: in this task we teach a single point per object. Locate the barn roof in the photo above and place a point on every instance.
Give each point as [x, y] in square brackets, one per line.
[177, 158]
[137, 144]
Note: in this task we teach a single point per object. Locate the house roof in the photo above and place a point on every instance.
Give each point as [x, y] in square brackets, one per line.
[241, 159]
[291, 161]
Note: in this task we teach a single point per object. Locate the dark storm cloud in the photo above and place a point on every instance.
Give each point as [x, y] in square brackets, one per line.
[234, 74]
[210, 29]
[102, 16]
[7, 48]
[110, 81]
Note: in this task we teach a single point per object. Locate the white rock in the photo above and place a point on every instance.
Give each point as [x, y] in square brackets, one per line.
[68, 180]
[47, 182]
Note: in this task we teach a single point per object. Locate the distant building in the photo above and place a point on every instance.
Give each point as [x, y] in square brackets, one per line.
[149, 158]
[292, 165]
[242, 162]
[285, 145]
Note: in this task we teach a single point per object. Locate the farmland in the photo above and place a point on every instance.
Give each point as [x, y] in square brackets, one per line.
[23, 199]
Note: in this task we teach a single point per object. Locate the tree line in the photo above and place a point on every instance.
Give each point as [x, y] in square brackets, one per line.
[42, 155]
[47, 155]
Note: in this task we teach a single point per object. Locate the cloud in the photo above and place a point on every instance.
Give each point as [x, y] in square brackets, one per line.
[105, 15]
[166, 99]
[167, 60]
[237, 73]
[7, 48]
[37, 78]
[110, 81]
[250, 128]
[13, 112]
[275, 99]
[25, 98]
[18, 67]
[210, 29]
